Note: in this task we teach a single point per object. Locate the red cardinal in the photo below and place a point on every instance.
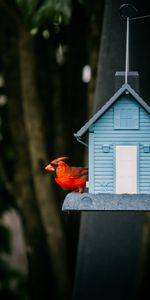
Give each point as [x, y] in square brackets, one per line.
[70, 178]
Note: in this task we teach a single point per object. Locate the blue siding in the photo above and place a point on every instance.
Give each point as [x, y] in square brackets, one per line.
[104, 133]
[144, 171]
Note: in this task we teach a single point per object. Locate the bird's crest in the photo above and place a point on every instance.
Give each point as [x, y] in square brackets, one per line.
[55, 161]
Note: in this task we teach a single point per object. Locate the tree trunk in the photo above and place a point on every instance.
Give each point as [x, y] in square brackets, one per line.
[22, 185]
[38, 159]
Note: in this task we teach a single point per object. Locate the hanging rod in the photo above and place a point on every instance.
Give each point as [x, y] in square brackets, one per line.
[123, 8]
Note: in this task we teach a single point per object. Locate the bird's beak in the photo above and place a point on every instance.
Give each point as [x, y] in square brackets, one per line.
[49, 168]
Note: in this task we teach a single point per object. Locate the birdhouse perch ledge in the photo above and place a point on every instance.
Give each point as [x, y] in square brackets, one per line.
[106, 202]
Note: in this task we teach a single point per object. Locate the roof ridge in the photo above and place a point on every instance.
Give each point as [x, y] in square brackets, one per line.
[82, 131]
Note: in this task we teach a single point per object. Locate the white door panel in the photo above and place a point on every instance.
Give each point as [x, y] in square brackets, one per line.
[126, 169]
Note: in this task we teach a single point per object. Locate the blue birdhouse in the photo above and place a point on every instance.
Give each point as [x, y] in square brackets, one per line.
[119, 145]
[118, 154]
[119, 151]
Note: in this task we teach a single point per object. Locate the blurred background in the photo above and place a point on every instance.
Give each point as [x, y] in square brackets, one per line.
[48, 65]
[48, 50]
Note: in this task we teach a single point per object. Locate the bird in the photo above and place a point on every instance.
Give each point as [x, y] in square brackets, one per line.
[66, 176]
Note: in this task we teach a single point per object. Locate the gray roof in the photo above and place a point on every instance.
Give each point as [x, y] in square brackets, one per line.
[125, 88]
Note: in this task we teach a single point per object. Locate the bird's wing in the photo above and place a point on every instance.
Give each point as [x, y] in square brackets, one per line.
[76, 172]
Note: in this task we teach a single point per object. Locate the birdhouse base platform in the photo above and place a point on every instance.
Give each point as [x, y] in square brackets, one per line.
[106, 202]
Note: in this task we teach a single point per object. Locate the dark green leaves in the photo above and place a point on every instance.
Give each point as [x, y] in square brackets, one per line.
[28, 6]
[54, 11]
[47, 11]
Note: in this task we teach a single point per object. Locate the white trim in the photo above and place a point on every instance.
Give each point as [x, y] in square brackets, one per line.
[91, 162]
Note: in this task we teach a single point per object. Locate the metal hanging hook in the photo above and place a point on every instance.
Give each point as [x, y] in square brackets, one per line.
[124, 7]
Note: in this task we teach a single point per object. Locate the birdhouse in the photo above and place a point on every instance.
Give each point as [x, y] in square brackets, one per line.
[119, 145]
[119, 150]
[119, 154]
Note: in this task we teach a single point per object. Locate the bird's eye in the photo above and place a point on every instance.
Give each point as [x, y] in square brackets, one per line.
[52, 165]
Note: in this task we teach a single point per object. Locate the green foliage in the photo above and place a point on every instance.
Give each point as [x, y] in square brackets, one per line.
[50, 11]
[55, 11]
[28, 6]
